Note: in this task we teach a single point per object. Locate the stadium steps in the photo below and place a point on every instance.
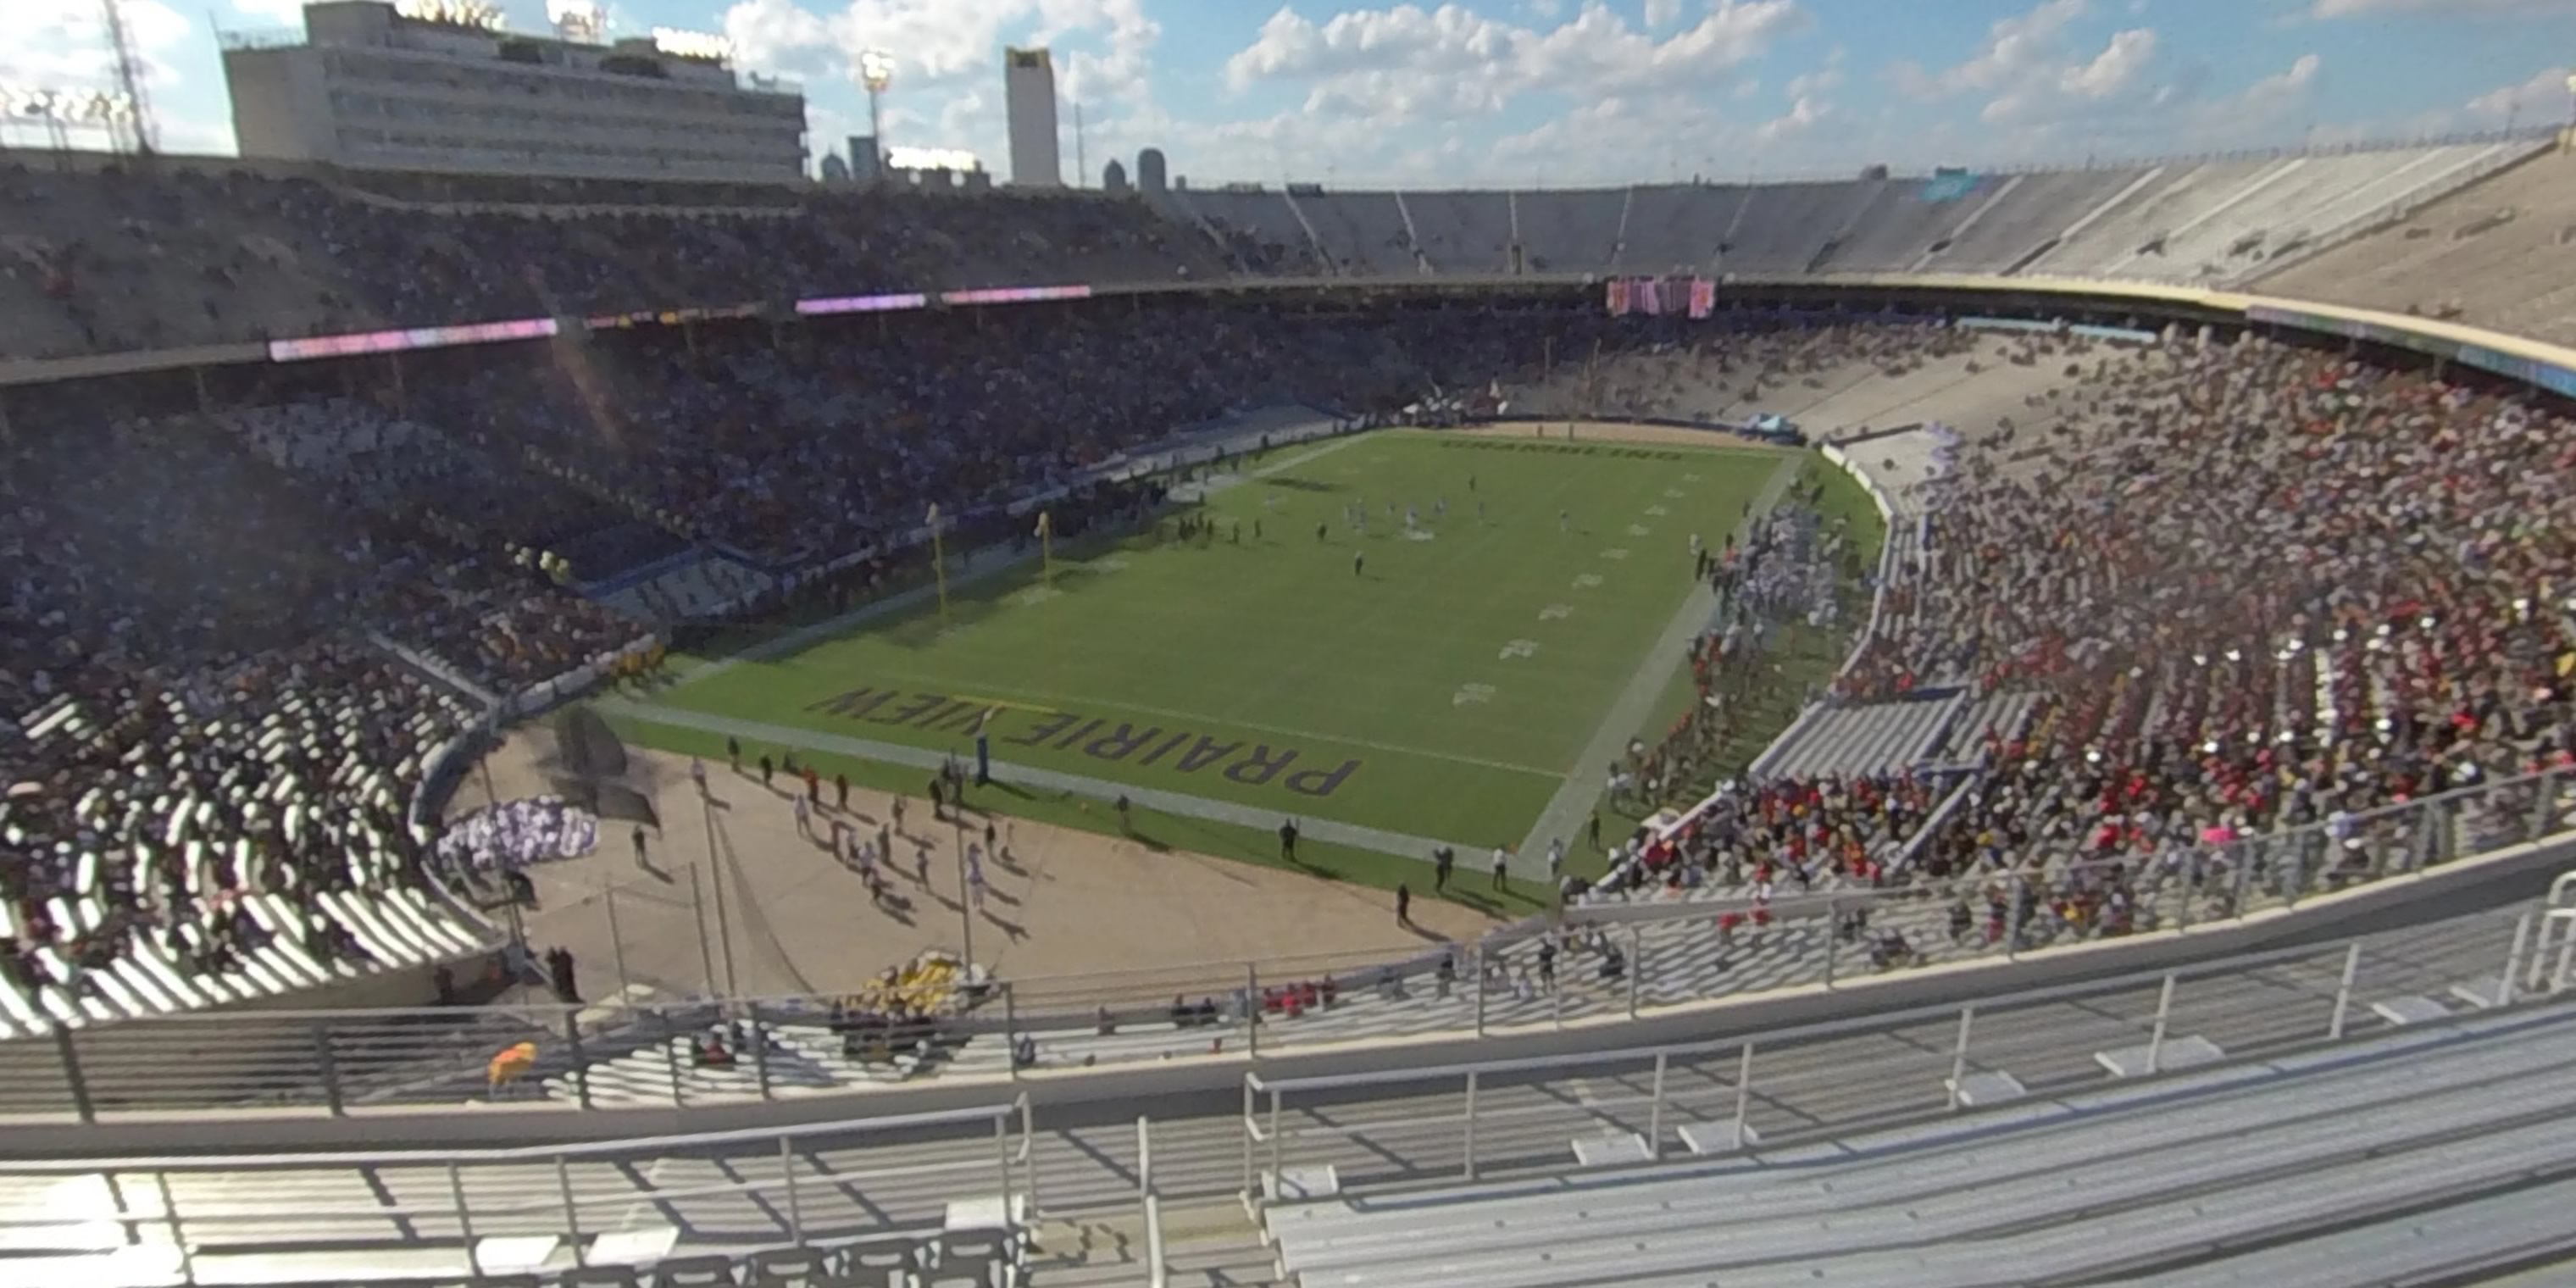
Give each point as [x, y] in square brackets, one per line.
[1332, 266]
[2169, 1174]
[2433, 175]
[1868, 738]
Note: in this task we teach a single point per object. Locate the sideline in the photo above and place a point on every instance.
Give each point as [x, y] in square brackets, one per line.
[1417, 848]
[1580, 795]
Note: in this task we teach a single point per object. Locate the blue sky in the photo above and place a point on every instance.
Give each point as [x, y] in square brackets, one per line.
[1544, 91]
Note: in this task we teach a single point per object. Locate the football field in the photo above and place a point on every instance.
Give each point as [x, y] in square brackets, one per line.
[1442, 679]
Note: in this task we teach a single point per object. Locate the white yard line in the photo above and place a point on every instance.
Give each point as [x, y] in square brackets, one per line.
[1573, 804]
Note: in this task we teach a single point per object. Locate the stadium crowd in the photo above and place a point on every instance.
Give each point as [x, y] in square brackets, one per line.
[2403, 628]
[220, 628]
[235, 634]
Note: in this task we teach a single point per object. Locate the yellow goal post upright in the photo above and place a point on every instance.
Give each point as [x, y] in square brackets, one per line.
[1046, 547]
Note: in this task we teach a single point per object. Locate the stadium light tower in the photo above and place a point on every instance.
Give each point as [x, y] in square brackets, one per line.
[134, 111]
[876, 71]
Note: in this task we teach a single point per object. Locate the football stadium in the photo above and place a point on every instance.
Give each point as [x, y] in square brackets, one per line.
[1951, 727]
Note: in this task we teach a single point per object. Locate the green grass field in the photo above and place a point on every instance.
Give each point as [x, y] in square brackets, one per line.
[1445, 689]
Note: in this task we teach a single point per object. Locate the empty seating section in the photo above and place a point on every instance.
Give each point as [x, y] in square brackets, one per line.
[1569, 232]
[1264, 219]
[2403, 182]
[1468, 234]
[1875, 738]
[2489, 255]
[2281, 1174]
[1676, 229]
[1362, 231]
[2018, 216]
[1903, 220]
[2174, 205]
[2294, 202]
[1785, 226]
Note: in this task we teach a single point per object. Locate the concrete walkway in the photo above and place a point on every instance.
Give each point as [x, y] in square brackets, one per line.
[1572, 806]
[1099, 789]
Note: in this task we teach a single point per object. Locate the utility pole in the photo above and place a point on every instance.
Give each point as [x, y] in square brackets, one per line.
[129, 75]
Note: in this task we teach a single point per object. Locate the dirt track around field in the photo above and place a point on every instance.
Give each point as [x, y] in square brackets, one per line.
[1061, 902]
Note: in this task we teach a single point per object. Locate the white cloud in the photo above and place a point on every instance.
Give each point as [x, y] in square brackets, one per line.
[766, 33]
[2535, 99]
[2275, 93]
[1407, 62]
[933, 41]
[1804, 115]
[63, 45]
[1815, 82]
[1662, 13]
[1122, 72]
[2015, 48]
[285, 13]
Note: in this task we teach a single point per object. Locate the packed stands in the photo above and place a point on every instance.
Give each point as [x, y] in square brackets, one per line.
[2145, 703]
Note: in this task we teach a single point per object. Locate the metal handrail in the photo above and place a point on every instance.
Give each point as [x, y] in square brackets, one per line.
[521, 1154]
[1276, 1137]
[1772, 1037]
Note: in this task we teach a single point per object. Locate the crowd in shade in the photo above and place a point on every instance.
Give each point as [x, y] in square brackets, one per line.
[2405, 627]
[186, 254]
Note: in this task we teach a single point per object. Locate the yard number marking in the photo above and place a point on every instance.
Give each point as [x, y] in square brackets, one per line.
[1555, 612]
[1520, 648]
[1638, 530]
[1672, 494]
[1478, 694]
[1587, 581]
[1656, 512]
[1619, 553]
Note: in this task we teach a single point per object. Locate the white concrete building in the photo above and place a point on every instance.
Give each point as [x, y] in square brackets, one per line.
[373, 88]
[1028, 91]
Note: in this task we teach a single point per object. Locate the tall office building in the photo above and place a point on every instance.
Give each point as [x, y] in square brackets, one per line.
[441, 86]
[1028, 91]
